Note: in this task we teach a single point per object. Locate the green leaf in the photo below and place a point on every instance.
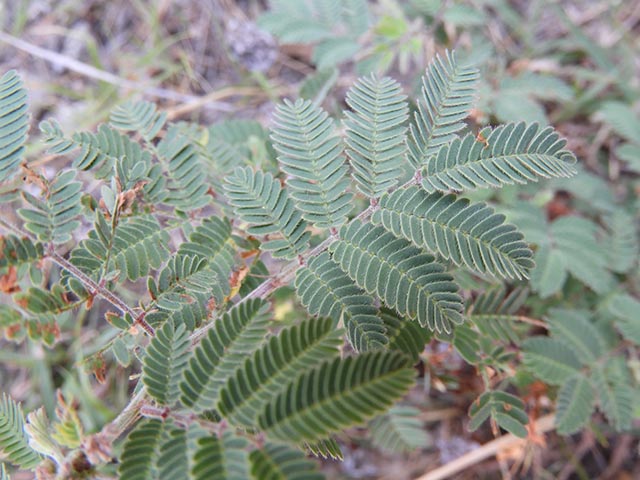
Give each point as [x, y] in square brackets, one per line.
[310, 153]
[266, 373]
[494, 312]
[622, 241]
[616, 397]
[54, 218]
[16, 251]
[469, 234]
[625, 308]
[139, 117]
[280, 462]
[258, 199]
[505, 409]
[506, 155]
[448, 92]
[14, 124]
[550, 359]
[576, 402]
[376, 133]
[14, 443]
[336, 395]
[574, 328]
[223, 458]
[404, 336]
[188, 189]
[326, 290]
[403, 276]
[399, 430]
[141, 451]
[232, 337]
[164, 361]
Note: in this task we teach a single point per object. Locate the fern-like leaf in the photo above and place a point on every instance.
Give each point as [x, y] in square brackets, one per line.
[576, 402]
[268, 370]
[311, 408]
[185, 286]
[141, 451]
[406, 337]
[327, 448]
[550, 359]
[187, 185]
[259, 200]
[616, 397]
[14, 124]
[54, 217]
[234, 336]
[165, 359]
[137, 246]
[506, 155]
[221, 458]
[326, 290]
[505, 409]
[139, 117]
[399, 430]
[280, 462]
[448, 91]
[469, 234]
[14, 443]
[574, 328]
[494, 312]
[310, 152]
[376, 133]
[623, 243]
[174, 453]
[16, 251]
[403, 276]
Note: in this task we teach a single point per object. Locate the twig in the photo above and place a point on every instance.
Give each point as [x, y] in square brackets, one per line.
[487, 450]
[104, 76]
[199, 102]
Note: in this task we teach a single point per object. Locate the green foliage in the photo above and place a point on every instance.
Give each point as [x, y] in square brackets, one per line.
[505, 155]
[448, 90]
[568, 245]
[466, 233]
[166, 356]
[375, 134]
[14, 443]
[405, 277]
[326, 290]
[267, 371]
[16, 251]
[139, 117]
[494, 312]
[575, 404]
[130, 251]
[398, 430]
[279, 462]
[141, 451]
[259, 200]
[186, 183]
[14, 124]
[55, 217]
[354, 394]
[223, 458]
[310, 153]
[505, 409]
[235, 335]
[334, 26]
